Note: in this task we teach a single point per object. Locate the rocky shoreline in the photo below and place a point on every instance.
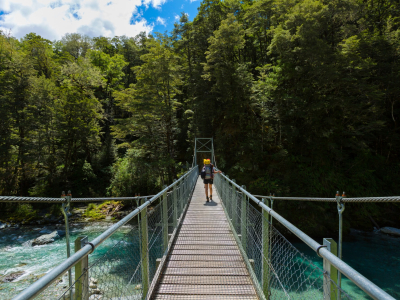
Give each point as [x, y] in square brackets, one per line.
[77, 215]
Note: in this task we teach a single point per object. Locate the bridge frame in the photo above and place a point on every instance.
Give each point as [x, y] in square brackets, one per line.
[204, 145]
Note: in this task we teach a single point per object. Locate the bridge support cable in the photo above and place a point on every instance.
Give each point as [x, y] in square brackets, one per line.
[123, 259]
[279, 269]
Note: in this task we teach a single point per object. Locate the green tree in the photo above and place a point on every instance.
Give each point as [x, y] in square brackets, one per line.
[79, 112]
[152, 104]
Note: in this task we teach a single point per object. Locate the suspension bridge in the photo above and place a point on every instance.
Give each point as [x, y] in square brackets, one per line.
[178, 246]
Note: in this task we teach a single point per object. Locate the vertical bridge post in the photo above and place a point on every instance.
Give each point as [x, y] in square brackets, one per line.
[65, 210]
[175, 208]
[340, 208]
[265, 250]
[234, 206]
[243, 225]
[179, 195]
[144, 251]
[81, 271]
[226, 194]
[330, 273]
[165, 221]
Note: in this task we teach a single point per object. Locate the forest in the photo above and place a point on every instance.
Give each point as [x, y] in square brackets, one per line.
[300, 96]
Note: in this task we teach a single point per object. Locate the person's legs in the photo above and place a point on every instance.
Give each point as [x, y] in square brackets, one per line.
[210, 186]
[206, 187]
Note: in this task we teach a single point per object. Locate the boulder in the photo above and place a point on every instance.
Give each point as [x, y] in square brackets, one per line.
[11, 277]
[45, 238]
[391, 230]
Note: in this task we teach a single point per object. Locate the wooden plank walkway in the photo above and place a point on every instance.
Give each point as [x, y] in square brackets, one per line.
[205, 262]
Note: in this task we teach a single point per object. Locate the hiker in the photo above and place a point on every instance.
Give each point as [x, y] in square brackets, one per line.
[207, 173]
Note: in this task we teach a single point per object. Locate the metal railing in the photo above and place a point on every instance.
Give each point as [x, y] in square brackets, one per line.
[278, 269]
[65, 202]
[133, 258]
[340, 201]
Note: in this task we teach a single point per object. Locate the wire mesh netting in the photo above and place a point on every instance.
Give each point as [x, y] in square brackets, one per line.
[279, 270]
[122, 271]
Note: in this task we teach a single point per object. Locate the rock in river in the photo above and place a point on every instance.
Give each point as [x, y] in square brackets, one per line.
[391, 230]
[45, 238]
[12, 276]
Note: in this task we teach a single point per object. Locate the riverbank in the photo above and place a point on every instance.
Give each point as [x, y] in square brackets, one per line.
[29, 215]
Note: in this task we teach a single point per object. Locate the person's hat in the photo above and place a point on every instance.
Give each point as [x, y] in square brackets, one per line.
[207, 161]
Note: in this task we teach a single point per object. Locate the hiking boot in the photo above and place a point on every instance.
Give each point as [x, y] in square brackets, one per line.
[207, 200]
[211, 198]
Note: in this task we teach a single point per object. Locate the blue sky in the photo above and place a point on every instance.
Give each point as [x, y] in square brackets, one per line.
[169, 11]
[54, 18]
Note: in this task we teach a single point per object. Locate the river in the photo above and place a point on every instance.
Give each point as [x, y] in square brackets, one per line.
[374, 255]
[36, 261]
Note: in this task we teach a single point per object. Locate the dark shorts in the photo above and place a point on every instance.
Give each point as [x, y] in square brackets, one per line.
[208, 181]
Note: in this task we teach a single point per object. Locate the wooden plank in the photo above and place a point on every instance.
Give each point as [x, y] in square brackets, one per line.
[206, 257]
[204, 297]
[209, 221]
[204, 226]
[206, 271]
[205, 290]
[205, 264]
[206, 251]
[208, 231]
[204, 247]
[206, 237]
[217, 208]
[216, 280]
[194, 210]
[205, 229]
[211, 243]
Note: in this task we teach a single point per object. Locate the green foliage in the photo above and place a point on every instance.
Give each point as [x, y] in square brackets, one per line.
[99, 212]
[23, 213]
[152, 104]
[133, 174]
[300, 96]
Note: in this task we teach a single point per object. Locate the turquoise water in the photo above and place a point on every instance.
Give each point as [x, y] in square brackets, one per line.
[36, 261]
[374, 255]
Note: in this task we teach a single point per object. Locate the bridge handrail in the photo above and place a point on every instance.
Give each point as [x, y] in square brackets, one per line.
[362, 282]
[41, 284]
[10, 199]
[344, 199]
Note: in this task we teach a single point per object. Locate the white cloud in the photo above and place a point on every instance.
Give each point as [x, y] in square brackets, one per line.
[177, 18]
[161, 21]
[54, 18]
[155, 3]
